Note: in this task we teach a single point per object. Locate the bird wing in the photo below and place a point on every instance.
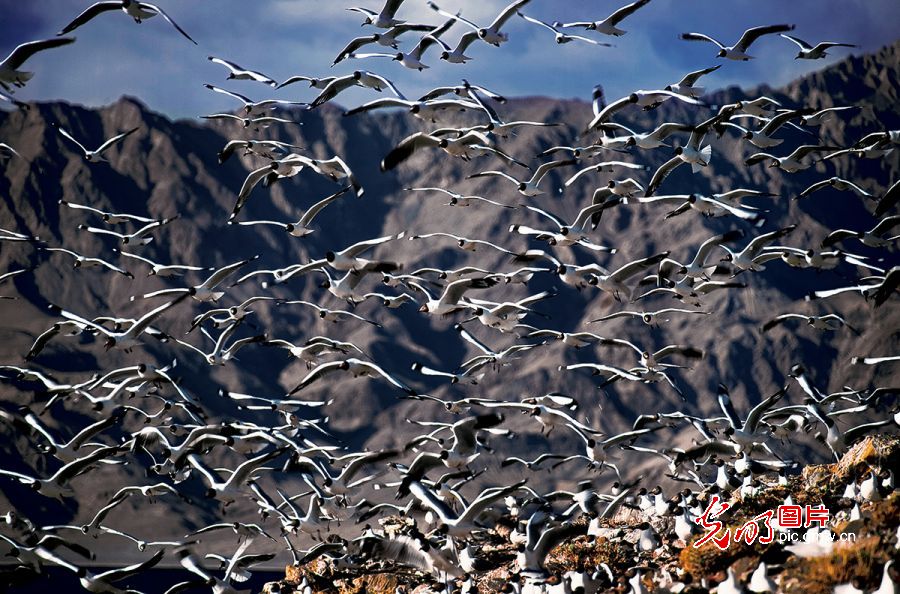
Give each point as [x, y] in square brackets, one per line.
[885, 225]
[756, 413]
[538, 22]
[379, 103]
[116, 139]
[757, 244]
[252, 180]
[427, 498]
[90, 12]
[316, 373]
[700, 37]
[163, 14]
[466, 40]
[358, 248]
[242, 472]
[406, 148]
[837, 236]
[727, 407]
[245, 100]
[219, 275]
[331, 90]
[691, 78]
[632, 268]
[890, 198]
[625, 11]
[541, 171]
[114, 575]
[76, 467]
[803, 45]
[813, 188]
[487, 498]
[65, 133]
[587, 213]
[313, 210]
[493, 173]
[607, 112]
[664, 170]
[751, 35]
[352, 46]
[556, 220]
[707, 246]
[507, 13]
[26, 50]
[780, 320]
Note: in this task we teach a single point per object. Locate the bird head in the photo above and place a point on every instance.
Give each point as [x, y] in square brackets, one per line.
[423, 308]
[445, 55]
[444, 143]
[110, 343]
[647, 318]
[521, 186]
[398, 57]
[721, 53]
[678, 150]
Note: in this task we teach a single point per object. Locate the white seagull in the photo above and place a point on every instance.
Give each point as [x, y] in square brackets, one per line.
[738, 51]
[608, 25]
[810, 52]
[95, 155]
[10, 75]
[139, 11]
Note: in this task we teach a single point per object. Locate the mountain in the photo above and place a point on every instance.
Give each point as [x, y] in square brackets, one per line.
[170, 168]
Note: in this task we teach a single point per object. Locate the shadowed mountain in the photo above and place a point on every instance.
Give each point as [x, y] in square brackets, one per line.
[170, 168]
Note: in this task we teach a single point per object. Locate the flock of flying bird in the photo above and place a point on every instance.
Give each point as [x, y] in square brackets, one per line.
[178, 442]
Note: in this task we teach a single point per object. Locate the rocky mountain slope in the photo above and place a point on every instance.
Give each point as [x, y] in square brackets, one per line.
[170, 168]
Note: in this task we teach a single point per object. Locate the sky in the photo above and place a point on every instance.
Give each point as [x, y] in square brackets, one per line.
[113, 56]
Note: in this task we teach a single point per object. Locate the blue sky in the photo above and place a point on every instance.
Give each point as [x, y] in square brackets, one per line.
[113, 56]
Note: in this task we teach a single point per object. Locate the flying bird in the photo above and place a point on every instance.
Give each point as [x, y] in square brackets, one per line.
[608, 26]
[10, 75]
[810, 52]
[139, 11]
[236, 72]
[95, 156]
[738, 51]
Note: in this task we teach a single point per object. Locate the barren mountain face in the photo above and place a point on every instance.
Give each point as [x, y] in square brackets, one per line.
[170, 169]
